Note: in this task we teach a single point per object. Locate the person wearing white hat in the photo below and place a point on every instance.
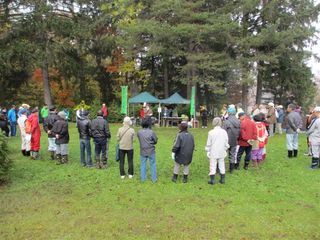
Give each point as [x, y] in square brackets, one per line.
[313, 133]
[125, 137]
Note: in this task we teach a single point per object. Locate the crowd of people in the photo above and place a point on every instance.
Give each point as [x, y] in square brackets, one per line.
[234, 133]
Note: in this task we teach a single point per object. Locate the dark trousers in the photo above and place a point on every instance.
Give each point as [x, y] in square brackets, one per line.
[241, 150]
[6, 130]
[204, 121]
[13, 129]
[100, 149]
[129, 154]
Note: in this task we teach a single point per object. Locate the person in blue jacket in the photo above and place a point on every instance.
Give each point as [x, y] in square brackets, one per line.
[12, 118]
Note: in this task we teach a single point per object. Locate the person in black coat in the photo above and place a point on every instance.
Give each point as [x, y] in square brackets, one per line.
[61, 131]
[84, 129]
[100, 133]
[48, 125]
[182, 152]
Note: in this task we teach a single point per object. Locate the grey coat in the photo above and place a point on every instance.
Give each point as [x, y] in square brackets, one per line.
[294, 122]
[313, 132]
[147, 139]
[183, 148]
[232, 126]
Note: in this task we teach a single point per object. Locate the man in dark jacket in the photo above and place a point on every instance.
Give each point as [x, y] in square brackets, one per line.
[61, 132]
[100, 133]
[294, 125]
[248, 131]
[48, 125]
[232, 126]
[84, 129]
[182, 152]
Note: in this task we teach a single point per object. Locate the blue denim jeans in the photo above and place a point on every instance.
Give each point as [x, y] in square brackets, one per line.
[85, 146]
[143, 167]
[292, 141]
[13, 129]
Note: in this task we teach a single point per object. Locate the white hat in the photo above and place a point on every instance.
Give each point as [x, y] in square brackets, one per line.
[127, 121]
[316, 109]
[271, 104]
[62, 114]
[280, 106]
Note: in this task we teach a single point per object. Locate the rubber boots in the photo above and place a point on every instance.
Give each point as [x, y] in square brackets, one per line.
[211, 181]
[174, 178]
[290, 153]
[314, 163]
[185, 179]
[295, 153]
[222, 178]
[231, 167]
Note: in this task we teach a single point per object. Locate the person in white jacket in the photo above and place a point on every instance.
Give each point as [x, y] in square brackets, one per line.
[25, 138]
[313, 133]
[217, 146]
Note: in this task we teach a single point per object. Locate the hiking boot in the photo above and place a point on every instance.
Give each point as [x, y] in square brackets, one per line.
[295, 153]
[36, 155]
[211, 181]
[246, 166]
[64, 159]
[28, 154]
[185, 179]
[174, 178]
[58, 158]
[52, 157]
[222, 178]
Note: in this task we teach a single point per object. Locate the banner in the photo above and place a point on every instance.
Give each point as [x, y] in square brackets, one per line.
[124, 100]
[193, 102]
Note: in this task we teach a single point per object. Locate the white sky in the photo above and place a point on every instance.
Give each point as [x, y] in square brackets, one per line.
[315, 65]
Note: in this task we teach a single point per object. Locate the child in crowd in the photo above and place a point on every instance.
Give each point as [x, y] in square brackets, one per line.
[259, 144]
[217, 146]
[182, 152]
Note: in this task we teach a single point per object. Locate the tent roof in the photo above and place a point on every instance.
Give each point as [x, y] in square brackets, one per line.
[144, 97]
[175, 99]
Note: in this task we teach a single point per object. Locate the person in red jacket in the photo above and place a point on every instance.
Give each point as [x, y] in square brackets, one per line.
[248, 132]
[35, 134]
[104, 110]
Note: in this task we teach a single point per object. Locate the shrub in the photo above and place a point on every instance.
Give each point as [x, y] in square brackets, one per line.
[5, 161]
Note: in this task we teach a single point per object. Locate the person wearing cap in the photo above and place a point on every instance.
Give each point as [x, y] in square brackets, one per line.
[232, 126]
[280, 118]
[259, 144]
[84, 129]
[147, 139]
[100, 133]
[25, 141]
[12, 118]
[61, 131]
[271, 118]
[125, 137]
[294, 124]
[248, 133]
[313, 133]
[217, 145]
[35, 132]
[182, 152]
[48, 125]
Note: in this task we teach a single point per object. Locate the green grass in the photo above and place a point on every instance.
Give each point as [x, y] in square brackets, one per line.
[45, 201]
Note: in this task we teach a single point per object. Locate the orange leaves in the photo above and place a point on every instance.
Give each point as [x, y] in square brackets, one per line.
[117, 60]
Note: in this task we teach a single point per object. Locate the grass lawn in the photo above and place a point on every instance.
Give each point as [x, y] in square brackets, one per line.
[46, 201]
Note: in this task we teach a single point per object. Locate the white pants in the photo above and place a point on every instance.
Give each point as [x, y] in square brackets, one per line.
[213, 166]
[25, 143]
[292, 141]
[271, 129]
[52, 144]
[315, 149]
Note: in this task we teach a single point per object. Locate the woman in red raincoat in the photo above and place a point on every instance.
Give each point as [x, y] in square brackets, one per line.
[35, 131]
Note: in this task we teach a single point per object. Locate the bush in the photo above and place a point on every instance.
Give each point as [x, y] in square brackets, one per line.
[5, 161]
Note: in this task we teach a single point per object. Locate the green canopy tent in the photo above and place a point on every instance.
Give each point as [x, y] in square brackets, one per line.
[175, 99]
[143, 97]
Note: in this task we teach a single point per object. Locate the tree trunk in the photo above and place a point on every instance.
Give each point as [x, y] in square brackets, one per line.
[259, 82]
[45, 76]
[244, 98]
[166, 77]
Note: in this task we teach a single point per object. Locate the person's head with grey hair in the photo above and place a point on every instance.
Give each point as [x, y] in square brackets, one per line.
[291, 107]
[216, 122]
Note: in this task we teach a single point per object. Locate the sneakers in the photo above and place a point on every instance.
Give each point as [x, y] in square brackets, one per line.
[130, 176]
[123, 177]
